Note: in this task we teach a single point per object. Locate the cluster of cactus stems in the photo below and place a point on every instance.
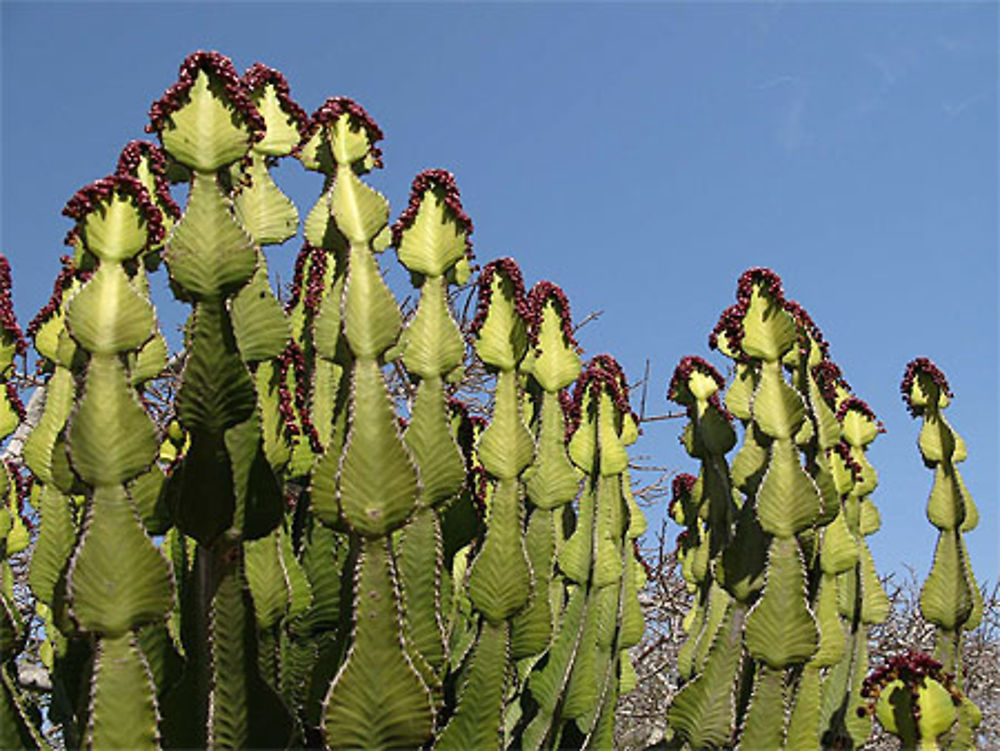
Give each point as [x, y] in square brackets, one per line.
[298, 557]
[773, 547]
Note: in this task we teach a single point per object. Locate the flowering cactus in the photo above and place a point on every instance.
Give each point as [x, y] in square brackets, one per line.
[917, 701]
[950, 597]
[297, 556]
[773, 543]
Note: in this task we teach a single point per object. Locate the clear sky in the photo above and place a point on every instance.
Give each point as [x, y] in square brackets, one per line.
[642, 156]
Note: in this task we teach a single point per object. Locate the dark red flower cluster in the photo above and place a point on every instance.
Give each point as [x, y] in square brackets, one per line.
[332, 109]
[88, 197]
[922, 366]
[827, 375]
[293, 358]
[128, 164]
[423, 182]
[764, 277]
[566, 402]
[603, 372]
[858, 405]
[539, 295]
[808, 326]
[15, 400]
[67, 274]
[912, 668]
[683, 372]
[258, 76]
[731, 321]
[731, 324]
[8, 322]
[680, 488]
[317, 259]
[23, 484]
[843, 450]
[219, 66]
[507, 268]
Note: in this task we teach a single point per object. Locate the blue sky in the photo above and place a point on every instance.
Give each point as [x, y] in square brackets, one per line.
[642, 156]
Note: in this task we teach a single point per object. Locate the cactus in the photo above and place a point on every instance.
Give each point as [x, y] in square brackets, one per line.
[311, 558]
[773, 543]
[308, 549]
[917, 701]
[950, 597]
[20, 722]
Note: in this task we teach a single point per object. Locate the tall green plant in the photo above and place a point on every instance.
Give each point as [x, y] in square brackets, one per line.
[917, 697]
[773, 544]
[299, 555]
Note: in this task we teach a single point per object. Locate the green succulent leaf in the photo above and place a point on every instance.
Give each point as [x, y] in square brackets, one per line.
[788, 499]
[216, 391]
[434, 344]
[476, 723]
[500, 578]
[419, 559]
[502, 340]
[803, 723]
[360, 211]
[765, 719]
[832, 640]
[777, 408]
[103, 600]
[265, 572]
[263, 210]
[703, 711]
[429, 438]
[378, 481]
[149, 361]
[946, 598]
[531, 629]
[506, 447]
[768, 331]
[108, 316]
[434, 241]
[245, 711]
[123, 710]
[206, 133]
[780, 628]
[839, 549]
[372, 320]
[209, 254]
[111, 438]
[556, 364]
[377, 699]
[259, 324]
[116, 230]
[946, 505]
[56, 539]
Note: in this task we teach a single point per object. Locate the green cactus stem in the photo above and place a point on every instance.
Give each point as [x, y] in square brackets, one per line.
[111, 440]
[579, 685]
[768, 547]
[950, 597]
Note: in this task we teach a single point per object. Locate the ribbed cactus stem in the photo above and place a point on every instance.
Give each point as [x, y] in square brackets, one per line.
[950, 597]
[111, 440]
[371, 484]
